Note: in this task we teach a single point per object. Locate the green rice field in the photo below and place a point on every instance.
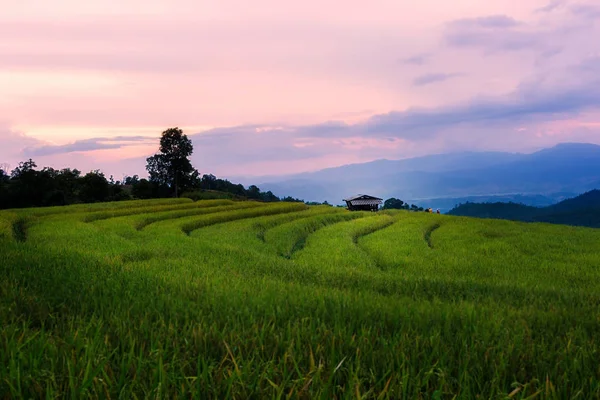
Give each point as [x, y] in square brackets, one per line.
[217, 299]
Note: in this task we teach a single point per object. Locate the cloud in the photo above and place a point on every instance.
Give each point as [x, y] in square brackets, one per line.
[496, 32]
[481, 120]
[419, 59]
[128, 71]
[549, 53]
[586, 10]
[488, 22]
[172, 46]
[536, 100]
[533, 101]
[565, 27]
[551, 6]
[433, 78]
[480, 123]
[85, 145]
[13, 143]
[589, 65]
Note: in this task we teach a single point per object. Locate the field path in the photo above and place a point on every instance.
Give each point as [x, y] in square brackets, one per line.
[428, 232]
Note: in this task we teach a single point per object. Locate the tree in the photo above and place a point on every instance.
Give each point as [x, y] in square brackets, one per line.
[4, 169]
[269, 197]
[25, 187]
[292, 199]
[94, 187]
[3, 177]
[208, 182]
[24, 168]
[131, 180]
[393, 203]
[253, 192]
[4, 195]
[171, 166]
[143, 189]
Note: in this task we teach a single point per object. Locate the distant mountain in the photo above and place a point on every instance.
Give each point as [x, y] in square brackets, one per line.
[565, 169]
[583, 210]
[537, 200]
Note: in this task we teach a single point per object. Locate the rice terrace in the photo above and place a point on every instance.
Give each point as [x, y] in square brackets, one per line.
[172, 298]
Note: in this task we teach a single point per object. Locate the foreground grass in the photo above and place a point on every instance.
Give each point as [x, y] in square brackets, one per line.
[246, 300]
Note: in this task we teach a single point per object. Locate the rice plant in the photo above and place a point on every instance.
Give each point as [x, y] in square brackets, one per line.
[221, 299]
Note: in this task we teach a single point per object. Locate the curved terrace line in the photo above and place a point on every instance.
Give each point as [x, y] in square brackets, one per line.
[124, 212]
[264, 227]
[429, 232]
[220, 218]
[192, 212]
[300, 243]
[19, 230]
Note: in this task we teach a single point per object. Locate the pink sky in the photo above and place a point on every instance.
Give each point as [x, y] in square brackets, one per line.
[270, 87]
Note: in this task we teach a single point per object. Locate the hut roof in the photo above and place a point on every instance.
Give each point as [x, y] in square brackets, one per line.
[363, 199]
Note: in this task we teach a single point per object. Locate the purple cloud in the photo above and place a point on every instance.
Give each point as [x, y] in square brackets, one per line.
[433, 78]
[86, 145]
[551, 6]
[489, 22]
[492, 33]
[530, 102]
[419, 59]
[587, 11]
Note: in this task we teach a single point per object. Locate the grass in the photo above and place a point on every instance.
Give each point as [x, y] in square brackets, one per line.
[291, 237]
[176, 299]
[120, 212]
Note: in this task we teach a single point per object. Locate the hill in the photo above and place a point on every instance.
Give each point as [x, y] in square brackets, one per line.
[583, 210]
[566, 169]
[172, 298]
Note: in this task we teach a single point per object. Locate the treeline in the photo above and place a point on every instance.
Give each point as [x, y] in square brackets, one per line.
[397, 204]
[28, 186]
[583, 210]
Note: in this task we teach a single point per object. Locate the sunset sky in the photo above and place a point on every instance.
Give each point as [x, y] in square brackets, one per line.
[269, 87]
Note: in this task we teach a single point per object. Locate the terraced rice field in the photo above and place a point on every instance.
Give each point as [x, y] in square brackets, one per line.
[222, 299]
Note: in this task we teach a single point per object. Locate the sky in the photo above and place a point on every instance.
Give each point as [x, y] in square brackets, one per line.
[268, 87]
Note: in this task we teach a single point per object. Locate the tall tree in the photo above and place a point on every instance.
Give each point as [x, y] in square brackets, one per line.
[4, 177]
[94, 187]
[171, 166]
[4, 196]
[392, 203]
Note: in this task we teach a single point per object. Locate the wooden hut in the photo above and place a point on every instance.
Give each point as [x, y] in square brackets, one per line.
[363, 202]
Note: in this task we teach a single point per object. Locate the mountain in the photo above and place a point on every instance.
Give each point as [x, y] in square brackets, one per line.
[563, 170]
[583, 210]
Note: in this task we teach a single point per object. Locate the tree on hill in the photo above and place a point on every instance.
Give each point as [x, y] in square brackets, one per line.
[253, 192]
[171, 166]
[269, 197]
[24, 168]
[94, 187]
[26, 185]
[131, 180]
[4, 177]
[583, 210]
[292, 199]
[393, 203]
[4, 196]
[208, 182]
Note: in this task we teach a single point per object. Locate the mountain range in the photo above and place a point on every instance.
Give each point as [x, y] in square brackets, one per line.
[444, 180]
[583, 210]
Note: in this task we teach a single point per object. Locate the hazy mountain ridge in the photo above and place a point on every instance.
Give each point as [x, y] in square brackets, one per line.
[583, 210]
[569, 168]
